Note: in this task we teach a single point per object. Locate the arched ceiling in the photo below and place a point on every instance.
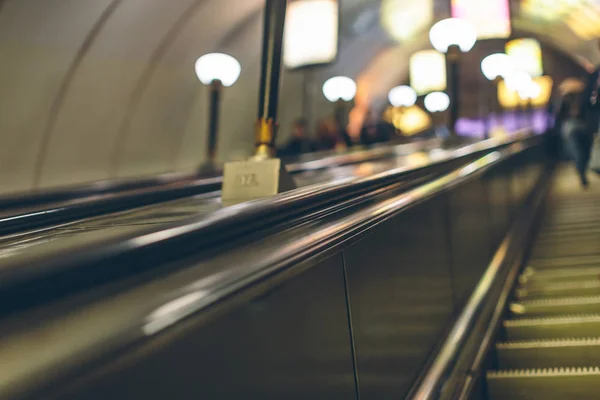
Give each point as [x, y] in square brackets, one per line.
[98, 89]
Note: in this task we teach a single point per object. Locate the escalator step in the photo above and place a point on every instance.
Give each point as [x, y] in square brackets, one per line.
[564, 326]
[548, 384]
[575, 352]
[565, 288]
[535, 277]
[570, 261]
[555, 305]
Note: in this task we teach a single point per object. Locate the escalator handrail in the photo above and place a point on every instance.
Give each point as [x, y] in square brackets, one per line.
[104, 187]
[230, 222]
[39, 198]
[89, 205]
[221, 285]
[22, 213]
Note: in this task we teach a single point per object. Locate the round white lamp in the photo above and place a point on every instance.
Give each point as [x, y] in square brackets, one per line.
[518, 80]
[495, 66]
[529, 91]
[453, 32]
[339, 90]
[437, 102]
[402, 96]
[218, 67]
[215, 70]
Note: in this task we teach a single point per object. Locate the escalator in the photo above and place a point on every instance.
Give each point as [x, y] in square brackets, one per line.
[329, 292]
[549, 345]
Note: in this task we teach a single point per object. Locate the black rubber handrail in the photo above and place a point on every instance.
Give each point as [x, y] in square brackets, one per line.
[66, 272]
[35, 211]
[63, 212]
[307, 162]
[210, 287]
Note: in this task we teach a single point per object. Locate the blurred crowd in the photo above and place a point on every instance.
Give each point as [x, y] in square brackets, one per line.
[329, 135]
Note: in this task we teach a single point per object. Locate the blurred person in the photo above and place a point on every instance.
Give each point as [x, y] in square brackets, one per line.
[591, 96]
[575, 122]
[373, 131]
[299, 142]
[329, 136]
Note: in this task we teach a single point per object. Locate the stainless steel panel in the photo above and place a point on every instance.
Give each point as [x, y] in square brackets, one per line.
[399, 287]
[499, 197]
[470, 237]
[291, 343]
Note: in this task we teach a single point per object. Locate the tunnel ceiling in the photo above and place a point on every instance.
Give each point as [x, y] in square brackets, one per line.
[99, 89]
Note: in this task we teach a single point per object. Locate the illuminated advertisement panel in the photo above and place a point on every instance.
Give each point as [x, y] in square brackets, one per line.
[428, 71]
[526, 55]
[311, 33]
[403, 19]
[510, 99]
[490, 18]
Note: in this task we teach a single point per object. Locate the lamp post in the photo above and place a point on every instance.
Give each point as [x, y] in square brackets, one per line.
[495, 67]
[339, 90]
[453, 36]
[436, 103]
[215, 70]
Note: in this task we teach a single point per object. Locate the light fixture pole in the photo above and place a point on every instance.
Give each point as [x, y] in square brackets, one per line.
[453, 36]
[495, 67]
[340, 90]
[215, 70]
[270, 78]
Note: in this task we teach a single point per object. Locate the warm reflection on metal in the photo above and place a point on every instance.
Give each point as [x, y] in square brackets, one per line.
[433, 382]
[148, 311]
[365, 217]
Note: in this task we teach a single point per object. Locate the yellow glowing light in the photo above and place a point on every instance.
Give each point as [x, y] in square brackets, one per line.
[311, 33]
[408, 120]
[509, 98]
[526, 55]
[403, 19]
[428, 71]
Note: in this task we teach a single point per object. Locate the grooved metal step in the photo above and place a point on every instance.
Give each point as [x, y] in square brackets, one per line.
[555, 305]
[547, 384]
[565, 326]
[551, 347]
[556, 289]
[533, 277]
[570, 261]
[574, 352]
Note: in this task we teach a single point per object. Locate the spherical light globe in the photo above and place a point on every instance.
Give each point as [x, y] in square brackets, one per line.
[339, 88]
[497, 65]
[402, 96]
[437, 102]
[530, 91]
[518, 80]
[218, 67]
[453, 31]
